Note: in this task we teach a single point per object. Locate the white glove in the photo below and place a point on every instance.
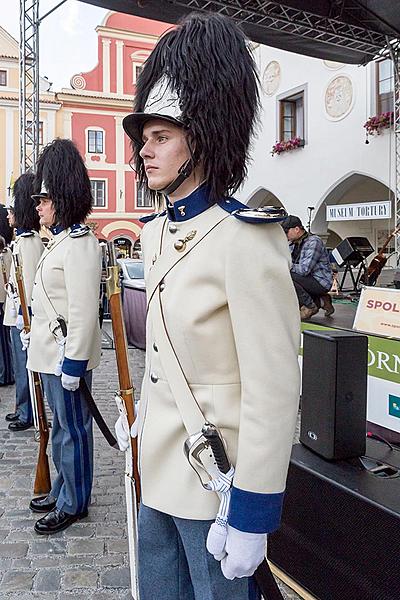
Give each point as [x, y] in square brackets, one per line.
[19, 323]
[244, 552]
[25, 339]
[70, 382]
[122, 430]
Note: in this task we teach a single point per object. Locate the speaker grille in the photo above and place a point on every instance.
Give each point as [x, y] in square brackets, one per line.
[337, 544]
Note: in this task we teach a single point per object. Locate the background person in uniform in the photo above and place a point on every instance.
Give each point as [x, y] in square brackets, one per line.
[235, 339]
[28, 246]
[67, 284]
[6, 364]
[311, 270]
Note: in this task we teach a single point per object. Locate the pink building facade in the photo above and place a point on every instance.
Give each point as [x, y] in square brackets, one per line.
[91, 115]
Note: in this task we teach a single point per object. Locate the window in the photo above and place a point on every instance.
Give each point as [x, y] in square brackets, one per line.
[142, 201]
[3, 77]
[291, 117]
[138, 70]
[95, 141]
[384, 86]
[29, 132]
[98, 192]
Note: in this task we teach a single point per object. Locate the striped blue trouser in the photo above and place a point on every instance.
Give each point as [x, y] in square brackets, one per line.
[6, 365]
[174, 563]
[72, 445]
[22, 393]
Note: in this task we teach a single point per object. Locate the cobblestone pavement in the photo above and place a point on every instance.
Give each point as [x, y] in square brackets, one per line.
[89, 560]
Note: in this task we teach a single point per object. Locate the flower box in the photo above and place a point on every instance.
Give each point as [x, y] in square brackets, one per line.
[286, 146]
[376, 124]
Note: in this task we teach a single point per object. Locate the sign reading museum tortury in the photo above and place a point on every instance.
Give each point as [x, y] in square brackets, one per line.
[359, 211]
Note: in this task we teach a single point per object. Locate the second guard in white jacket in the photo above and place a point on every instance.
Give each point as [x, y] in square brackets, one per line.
[64, 343]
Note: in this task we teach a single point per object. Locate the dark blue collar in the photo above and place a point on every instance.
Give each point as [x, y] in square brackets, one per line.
[191, 206]
[21, 230]
[56, 229]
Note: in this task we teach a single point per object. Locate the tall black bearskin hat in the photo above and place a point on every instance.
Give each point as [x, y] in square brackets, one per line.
[5, 229]
[62, 176]
[201, 76]
[24, 206]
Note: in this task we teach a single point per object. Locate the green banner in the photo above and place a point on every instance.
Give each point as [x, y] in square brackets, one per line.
[383, 354]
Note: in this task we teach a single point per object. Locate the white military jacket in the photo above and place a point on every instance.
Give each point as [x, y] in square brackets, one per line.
[6, 258]
[29, 248]
[232, 316]
[67, 283]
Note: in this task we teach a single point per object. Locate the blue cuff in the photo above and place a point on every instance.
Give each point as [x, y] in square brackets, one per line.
[29, 311]
[75, 368]
[253, 512]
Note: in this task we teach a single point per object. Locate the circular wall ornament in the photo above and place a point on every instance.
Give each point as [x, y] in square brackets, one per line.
[332, 64]
[78, 82]
[339, 97]
[271, 78]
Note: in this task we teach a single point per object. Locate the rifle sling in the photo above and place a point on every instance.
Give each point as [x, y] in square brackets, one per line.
[94, 411]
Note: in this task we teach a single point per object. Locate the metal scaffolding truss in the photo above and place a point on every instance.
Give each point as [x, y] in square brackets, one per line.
[275, 16]
[29, 84]
[395, 54]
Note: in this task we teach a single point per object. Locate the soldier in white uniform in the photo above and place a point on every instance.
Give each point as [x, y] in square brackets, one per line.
[223, 324]
[28, 247]
[6, 364]
[66, 293]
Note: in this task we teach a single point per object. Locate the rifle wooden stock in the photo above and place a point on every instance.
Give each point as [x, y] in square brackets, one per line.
[42, 483]
[121, 351]
[4, 271]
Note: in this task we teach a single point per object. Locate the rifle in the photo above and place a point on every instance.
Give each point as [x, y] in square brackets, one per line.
[4, 270]
[125, 403]
[42, 483]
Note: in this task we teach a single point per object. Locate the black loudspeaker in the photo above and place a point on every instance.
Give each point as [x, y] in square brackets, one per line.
[334, 393]
[352, 250]
[340, 531]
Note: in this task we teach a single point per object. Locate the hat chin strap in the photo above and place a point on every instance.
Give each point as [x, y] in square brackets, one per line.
[183, 173]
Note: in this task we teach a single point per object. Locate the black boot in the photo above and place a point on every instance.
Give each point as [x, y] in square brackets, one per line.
[12, 416]
[42, 504]
[57, 520]
[19, 425]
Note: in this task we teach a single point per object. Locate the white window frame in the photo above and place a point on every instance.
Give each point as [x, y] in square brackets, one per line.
[98, 179]
[301, 89]
[139, 192]
[96, 129]
[7, 78]
[138, 58]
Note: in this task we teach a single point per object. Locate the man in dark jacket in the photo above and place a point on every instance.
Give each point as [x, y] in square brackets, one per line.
[311, 270]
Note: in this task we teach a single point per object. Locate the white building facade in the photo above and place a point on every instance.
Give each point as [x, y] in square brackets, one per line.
[324, 105]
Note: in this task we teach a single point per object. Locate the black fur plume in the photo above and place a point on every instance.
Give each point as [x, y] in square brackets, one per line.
[25, 212]
[209, 64]
[61, 168]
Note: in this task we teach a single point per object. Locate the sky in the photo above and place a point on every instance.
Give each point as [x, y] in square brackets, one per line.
[67, 37]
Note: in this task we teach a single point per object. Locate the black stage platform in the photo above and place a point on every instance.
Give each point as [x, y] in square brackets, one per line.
[342, 318]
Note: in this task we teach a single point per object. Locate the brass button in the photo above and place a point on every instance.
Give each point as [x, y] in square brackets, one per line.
[155, 347]
[172, 228]
[154, 378]
[162, 286]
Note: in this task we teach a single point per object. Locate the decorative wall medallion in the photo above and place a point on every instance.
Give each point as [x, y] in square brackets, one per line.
[339, 97]
[332, 64]
[271, 78]
[78, 82]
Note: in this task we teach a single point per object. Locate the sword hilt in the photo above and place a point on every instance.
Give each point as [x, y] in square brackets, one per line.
[214, 438]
